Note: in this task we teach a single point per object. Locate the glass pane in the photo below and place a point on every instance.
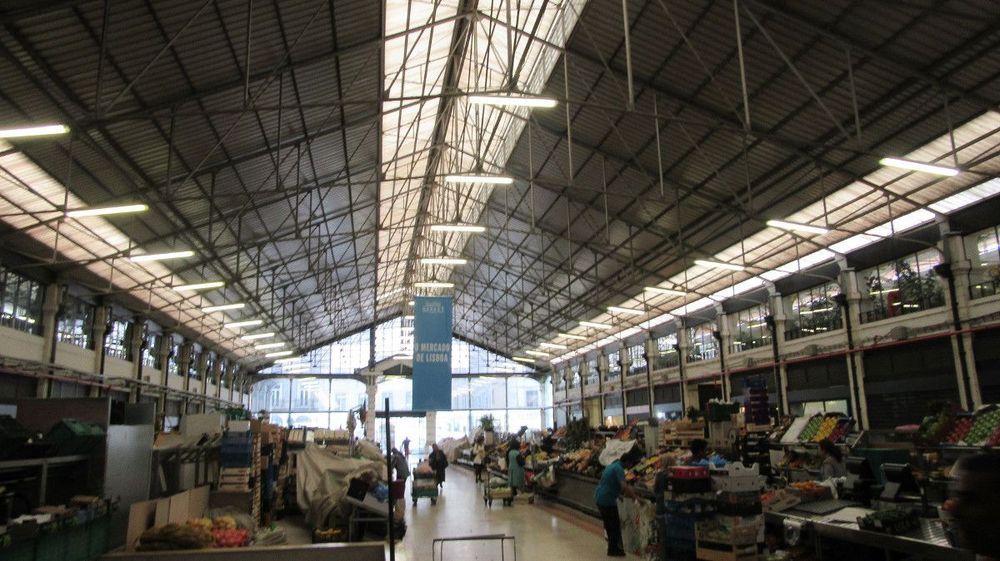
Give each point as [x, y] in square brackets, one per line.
[311, 420]
[454, 424]
[310, 394]
[488, 392]
[460, 393]
[531, 418]
[346, 394]
[400, 394]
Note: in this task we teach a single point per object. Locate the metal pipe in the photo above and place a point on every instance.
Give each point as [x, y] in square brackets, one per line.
[852, 371]
[630, 103]
[945, 270]
[388, 466]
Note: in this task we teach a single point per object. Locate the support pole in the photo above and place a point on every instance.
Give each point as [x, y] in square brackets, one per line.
[388, 471]
[628, 58]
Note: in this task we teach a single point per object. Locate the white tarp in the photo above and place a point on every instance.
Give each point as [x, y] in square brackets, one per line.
[322, 479]
[615, 449]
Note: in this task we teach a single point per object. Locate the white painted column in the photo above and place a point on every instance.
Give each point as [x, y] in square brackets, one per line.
[50, 317]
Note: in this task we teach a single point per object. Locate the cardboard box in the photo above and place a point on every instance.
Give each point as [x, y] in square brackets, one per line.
[173, 509]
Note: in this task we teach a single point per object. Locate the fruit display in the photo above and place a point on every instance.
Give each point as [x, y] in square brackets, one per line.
[175, 536]
[809, 431]
[986, 423]
[224, 523]
[961, 428]
[231, 537]
[810, 491]
[825, 429]
[839, 432]
[995, 439]
[934, 428]
[205, 523]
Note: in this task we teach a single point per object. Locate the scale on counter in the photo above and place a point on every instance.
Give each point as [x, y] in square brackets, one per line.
[860, 479]
[899, 483]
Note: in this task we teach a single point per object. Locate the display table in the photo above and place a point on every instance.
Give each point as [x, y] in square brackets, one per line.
[313, 552]
[926, 542]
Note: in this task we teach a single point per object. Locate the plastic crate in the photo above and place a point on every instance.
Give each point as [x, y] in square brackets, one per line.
[20, 551]
[77, 538]
[680, 527]
[98, 530]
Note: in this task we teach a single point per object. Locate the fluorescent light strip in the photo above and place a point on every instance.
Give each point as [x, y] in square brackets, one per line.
[595, 325]
[571, 336]
[41, 130]
[408, 317]
[816, 311]
[523, 359]
[199, 286]
[552, 346]
[458, 227]
[255, 336]
[140, 258]
[434, 284]
[443, 261]
[479, 178]
[796, 227]
[244, 323]
[105, 211]
[627, 311]
[918, 166]
[718, 265]
[269, 346]
[664, 291]
[512, 100]
[224, 307]
[278, 353]
[537, 353]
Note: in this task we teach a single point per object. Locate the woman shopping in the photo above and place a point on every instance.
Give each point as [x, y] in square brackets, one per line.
[439, 462]
[515, 467]
[479, 457]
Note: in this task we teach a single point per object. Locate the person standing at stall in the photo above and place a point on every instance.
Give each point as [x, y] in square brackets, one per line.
[977, 507]
[515, 467]
[438, 462]
[479, 457]
[833, 461]
[611, 486]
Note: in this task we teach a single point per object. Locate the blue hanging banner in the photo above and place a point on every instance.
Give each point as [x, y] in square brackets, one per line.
[432, 353]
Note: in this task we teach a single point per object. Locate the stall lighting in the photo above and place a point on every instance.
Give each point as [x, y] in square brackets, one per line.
[244, 323]
[885, 291]
[443, 261]
[199, 286]
[536, 353]
[918, 166]
[718, 265]
[664, 291]
[595, 325]
[269, 346]
[458, 227]
[434, 284]
[255, 336]
[524, 359]
[627, 311]
[105, 211]
[41, 130]
[480, 179]
[277, 354]
[571, 336]
[224, 307]
[507, 100]
[796, 227]
[140, 258]
[816, 311]
[552, 346]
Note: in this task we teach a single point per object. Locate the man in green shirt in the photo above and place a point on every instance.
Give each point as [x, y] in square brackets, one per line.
[612, 485]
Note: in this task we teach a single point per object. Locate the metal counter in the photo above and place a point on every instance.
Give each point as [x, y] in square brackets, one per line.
[374, 551]
[926, 542]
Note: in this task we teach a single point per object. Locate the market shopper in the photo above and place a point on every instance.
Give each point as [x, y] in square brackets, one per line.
[406, 447]
[479, 457]
[399, 465]
[833, 461]
[611, 486]
[978, 505]
[439, 462]
[515, 467]
[699, 451]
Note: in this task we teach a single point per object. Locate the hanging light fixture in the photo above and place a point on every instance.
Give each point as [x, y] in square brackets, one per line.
[105, 211]
[512, 100]
[918, 166]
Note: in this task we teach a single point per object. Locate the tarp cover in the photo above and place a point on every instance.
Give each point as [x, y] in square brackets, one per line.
[322, 480]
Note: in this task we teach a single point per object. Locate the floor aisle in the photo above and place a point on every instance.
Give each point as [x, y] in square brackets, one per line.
[542, 532]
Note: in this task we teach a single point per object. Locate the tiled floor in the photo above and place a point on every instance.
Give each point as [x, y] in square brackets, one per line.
[542, 532]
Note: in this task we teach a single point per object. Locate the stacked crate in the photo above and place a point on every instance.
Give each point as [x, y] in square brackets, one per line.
[689, 501]
[737, 531]
[758, 410]
[241, 467]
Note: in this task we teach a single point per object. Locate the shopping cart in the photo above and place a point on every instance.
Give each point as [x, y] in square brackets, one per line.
[424, 485]
[491, 494]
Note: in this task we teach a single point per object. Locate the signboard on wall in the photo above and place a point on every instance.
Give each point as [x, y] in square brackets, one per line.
[432, 353]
